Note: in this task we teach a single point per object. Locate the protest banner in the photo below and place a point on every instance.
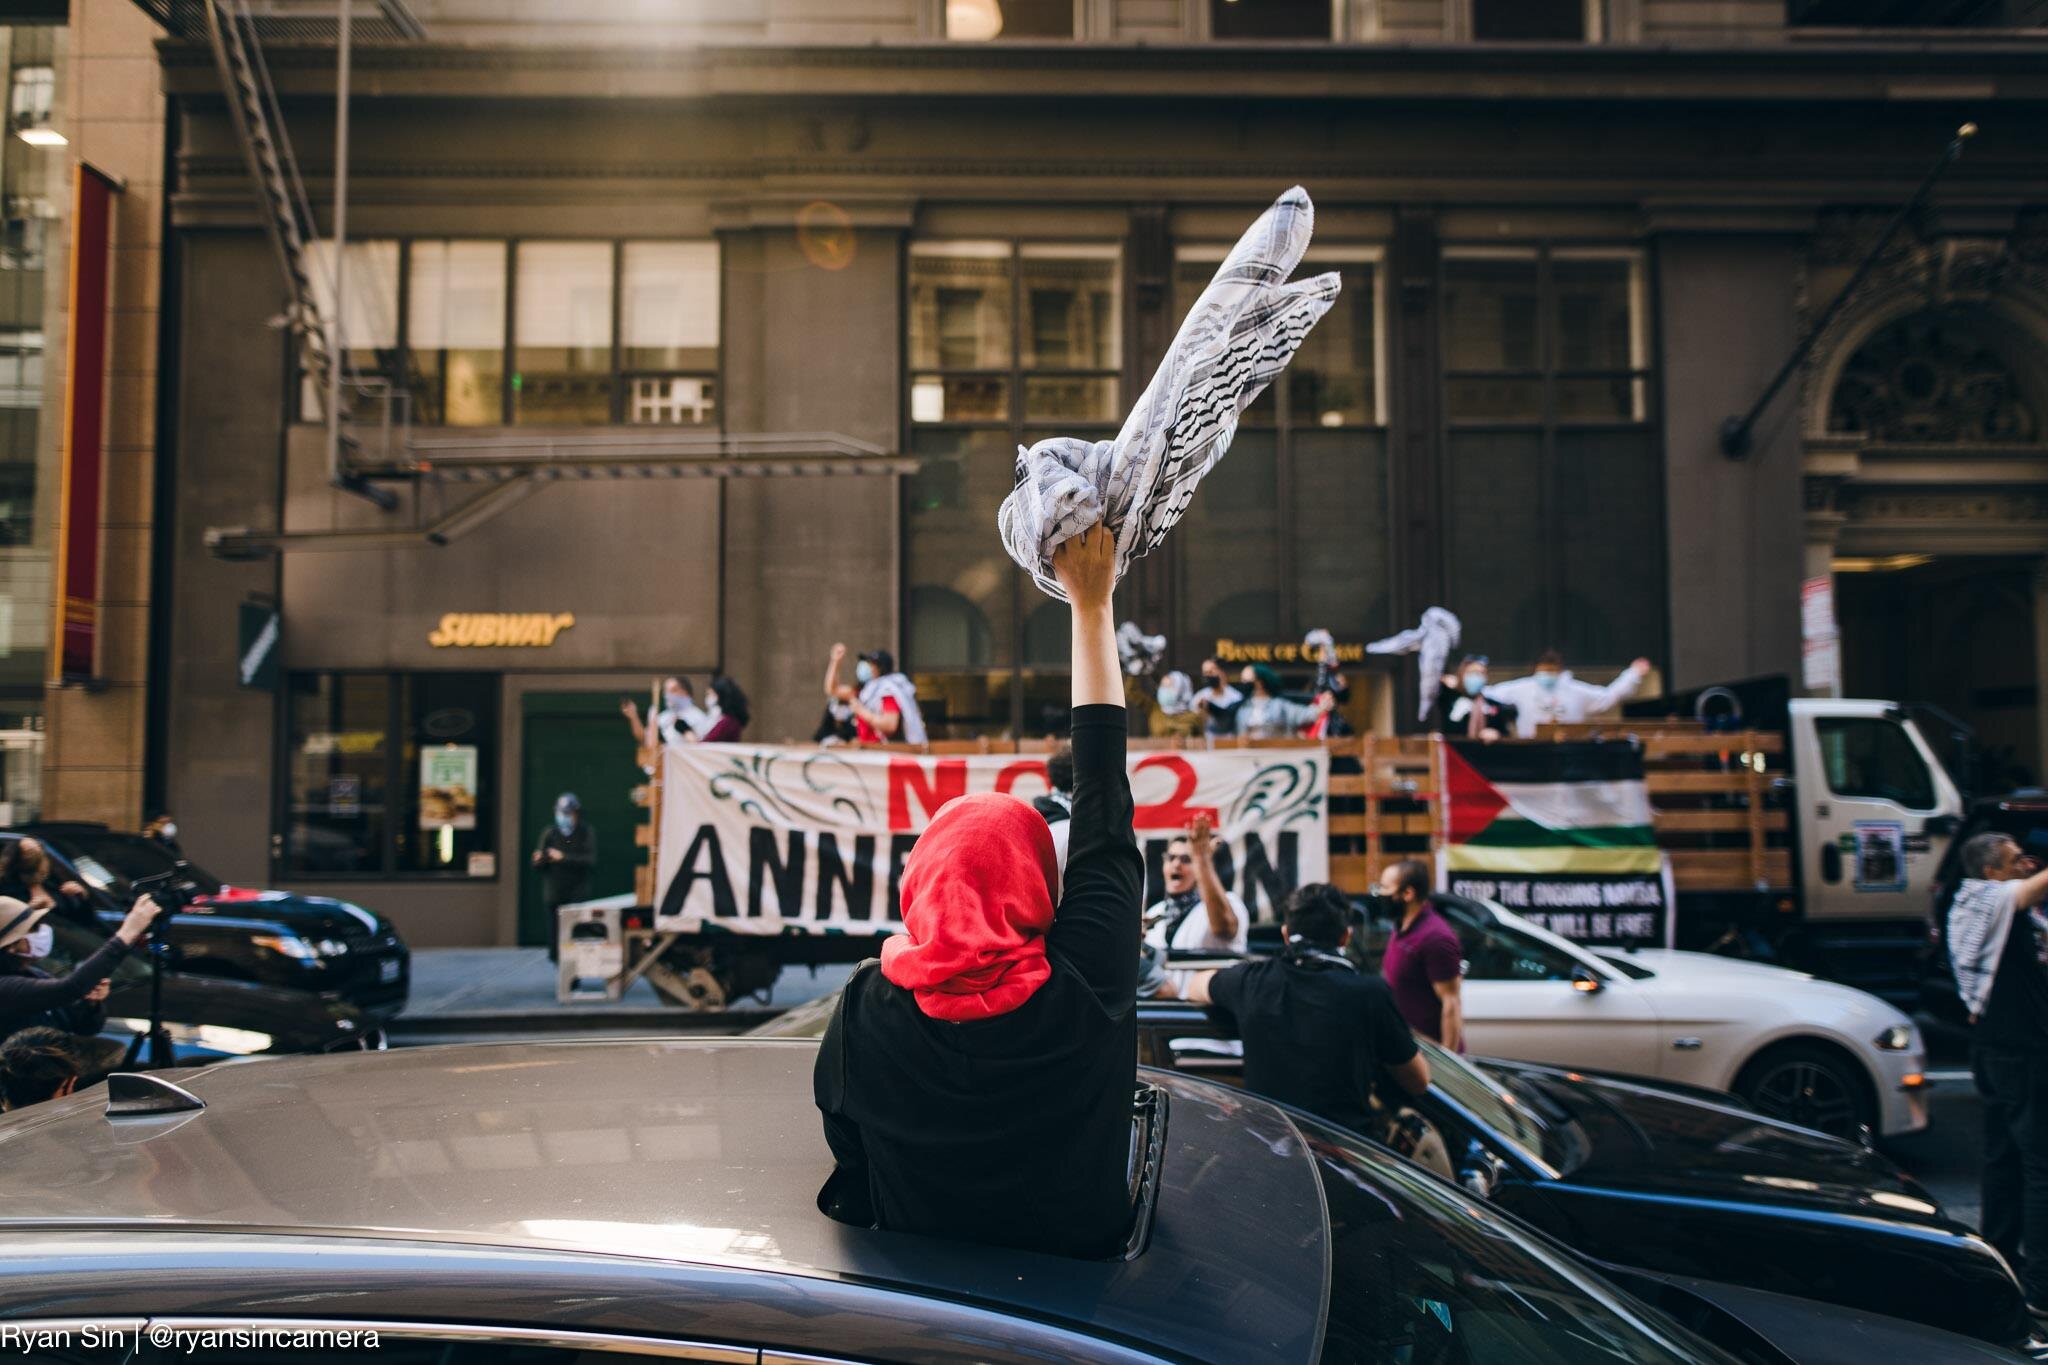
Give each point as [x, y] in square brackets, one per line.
[769, 839]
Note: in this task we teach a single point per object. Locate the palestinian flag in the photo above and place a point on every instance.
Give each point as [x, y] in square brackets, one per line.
[1546, 809]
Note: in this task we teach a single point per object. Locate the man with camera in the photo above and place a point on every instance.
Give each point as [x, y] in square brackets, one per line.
[1998, 948]
[28, 993]
[1318, 1033]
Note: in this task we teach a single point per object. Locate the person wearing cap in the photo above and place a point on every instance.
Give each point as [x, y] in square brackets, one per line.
[883, 706]
[566, 857]
[1552, 696]
[28, 993]
[1318, 1033]
[1464, 710]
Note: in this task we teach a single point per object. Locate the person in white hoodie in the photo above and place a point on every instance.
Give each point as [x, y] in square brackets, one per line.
[1552, 696]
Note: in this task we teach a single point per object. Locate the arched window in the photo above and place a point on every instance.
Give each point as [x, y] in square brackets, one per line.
[1938, 377]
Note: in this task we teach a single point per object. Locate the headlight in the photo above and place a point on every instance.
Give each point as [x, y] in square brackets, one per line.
[1897, 1038]
[290, 945]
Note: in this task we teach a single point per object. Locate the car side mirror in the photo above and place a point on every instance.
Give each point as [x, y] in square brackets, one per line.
[1586, 981]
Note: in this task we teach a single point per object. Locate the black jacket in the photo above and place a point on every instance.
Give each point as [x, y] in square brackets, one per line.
[31, 996]
[1500, 715]
[565, 878]
[1013, 1130]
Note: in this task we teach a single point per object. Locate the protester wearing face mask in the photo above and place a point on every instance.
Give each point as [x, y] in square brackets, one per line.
[163, 831]
[881, 703]
[1265, 714]
[677, 716]
[1464, 710]
[1171, 712]
[1552, 696]
[29, 995]
[1218, 700]
[566, 857]
[719, 722]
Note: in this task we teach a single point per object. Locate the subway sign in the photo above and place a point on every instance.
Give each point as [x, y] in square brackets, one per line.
[499, 629]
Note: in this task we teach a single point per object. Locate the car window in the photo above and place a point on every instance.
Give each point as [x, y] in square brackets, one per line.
[1495, 952]
[122, 858]
[1423, 1274]
[1873, 758]
[1518, 1115]
[72, 943]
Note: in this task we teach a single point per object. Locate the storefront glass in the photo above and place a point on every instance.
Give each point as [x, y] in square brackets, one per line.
[390, 774]
[34, 181]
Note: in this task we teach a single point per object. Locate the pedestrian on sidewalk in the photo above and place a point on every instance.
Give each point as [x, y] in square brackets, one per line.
[1552, 696]
[1998, 948]
[566, 857]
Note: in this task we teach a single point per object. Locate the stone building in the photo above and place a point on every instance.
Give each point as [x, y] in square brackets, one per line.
[730, 317]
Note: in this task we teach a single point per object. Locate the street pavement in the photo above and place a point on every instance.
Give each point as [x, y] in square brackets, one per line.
[489, 983]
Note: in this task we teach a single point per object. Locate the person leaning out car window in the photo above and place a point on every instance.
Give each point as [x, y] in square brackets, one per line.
[27, 992]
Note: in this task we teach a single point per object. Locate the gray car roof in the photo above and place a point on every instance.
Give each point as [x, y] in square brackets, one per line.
[700, 1151]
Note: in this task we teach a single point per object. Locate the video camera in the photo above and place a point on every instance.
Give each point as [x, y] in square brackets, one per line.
[170, 889]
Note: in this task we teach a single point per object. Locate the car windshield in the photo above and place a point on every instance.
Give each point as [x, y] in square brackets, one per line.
[1517, 1112]
[1423, 1274]
[113, 861]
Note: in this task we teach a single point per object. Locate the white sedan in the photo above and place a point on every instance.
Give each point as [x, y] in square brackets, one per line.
[1811, 1052]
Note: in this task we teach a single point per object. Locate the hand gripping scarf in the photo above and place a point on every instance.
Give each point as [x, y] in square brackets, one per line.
[1434, 639]
[977, 901]
[1235, 341]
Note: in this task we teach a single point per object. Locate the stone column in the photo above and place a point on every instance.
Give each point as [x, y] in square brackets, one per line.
[2041, 665]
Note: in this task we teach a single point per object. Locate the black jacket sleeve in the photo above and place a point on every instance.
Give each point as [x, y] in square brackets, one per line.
[1096, 929]
[23, 997]
[580, 848]
[845, 1195]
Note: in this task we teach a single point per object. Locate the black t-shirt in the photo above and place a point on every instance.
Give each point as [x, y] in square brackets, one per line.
[1013, 1130]
[2016, 1014]
[1316, 1034]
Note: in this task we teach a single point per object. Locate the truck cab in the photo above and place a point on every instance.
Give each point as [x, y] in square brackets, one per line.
[1875, 812]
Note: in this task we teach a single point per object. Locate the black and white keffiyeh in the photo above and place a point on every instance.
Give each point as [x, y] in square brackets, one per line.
[1434, 637]
[1235, 341]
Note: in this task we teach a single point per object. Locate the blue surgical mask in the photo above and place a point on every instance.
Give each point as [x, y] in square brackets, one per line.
[1475, 683]
[565, 822]
[1547, 681]
[864, 671]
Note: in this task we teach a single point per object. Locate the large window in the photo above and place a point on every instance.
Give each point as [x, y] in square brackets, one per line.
[1538, 21]
[1874, 758]
[1289, 531]
[389, 774]
[1553, 490]
[989, 21]
[1010, 342]
[1257, 20]
[540, 333]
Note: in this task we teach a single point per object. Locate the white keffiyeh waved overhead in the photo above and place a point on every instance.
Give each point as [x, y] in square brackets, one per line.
[1235, 340]
[1433, 638]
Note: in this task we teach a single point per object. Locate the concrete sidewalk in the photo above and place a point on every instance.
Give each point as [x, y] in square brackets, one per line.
[463, 994]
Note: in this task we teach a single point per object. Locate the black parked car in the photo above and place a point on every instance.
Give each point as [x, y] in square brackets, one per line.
[209, 1018]
[274, 938]
[526, 1203]
[1663, 1178]
[2023, 815]
[1685, 1182]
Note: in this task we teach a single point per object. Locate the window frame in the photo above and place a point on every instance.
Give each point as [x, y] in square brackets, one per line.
[1338, 255]
[1078, 31]
[1824, 726]
[620, 376]
[397, 732]
[1598, 26]
[1549, 428]
[1017, 425]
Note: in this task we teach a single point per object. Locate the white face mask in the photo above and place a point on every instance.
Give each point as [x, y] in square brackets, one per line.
[41, 940]
[170, 830]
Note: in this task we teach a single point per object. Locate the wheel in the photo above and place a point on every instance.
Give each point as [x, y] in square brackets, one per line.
[1813, 1085]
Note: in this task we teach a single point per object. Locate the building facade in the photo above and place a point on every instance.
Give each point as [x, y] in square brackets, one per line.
[1574, 237]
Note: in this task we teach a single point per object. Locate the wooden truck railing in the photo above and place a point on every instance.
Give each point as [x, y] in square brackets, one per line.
[1711, 795]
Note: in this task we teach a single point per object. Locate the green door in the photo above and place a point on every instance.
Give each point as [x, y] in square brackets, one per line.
[576, 742]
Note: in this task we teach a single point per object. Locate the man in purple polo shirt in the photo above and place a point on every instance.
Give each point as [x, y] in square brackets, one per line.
[1424, 961]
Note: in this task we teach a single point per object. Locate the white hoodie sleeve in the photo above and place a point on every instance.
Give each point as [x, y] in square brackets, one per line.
[1595, 699]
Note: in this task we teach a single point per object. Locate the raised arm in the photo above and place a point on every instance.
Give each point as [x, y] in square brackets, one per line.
[1623, 687]
[1096, 928]
[1215, 900]
[1086, 567]
[832, 672]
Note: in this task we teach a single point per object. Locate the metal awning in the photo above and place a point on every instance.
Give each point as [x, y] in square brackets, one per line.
[513, 468]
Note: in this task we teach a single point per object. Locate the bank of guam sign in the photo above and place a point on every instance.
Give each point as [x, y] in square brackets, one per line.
[499, 629]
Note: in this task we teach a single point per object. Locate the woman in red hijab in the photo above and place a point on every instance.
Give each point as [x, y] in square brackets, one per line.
[976, 1083]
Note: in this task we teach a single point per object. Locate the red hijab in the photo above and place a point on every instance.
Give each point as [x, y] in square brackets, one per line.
[977, 900]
